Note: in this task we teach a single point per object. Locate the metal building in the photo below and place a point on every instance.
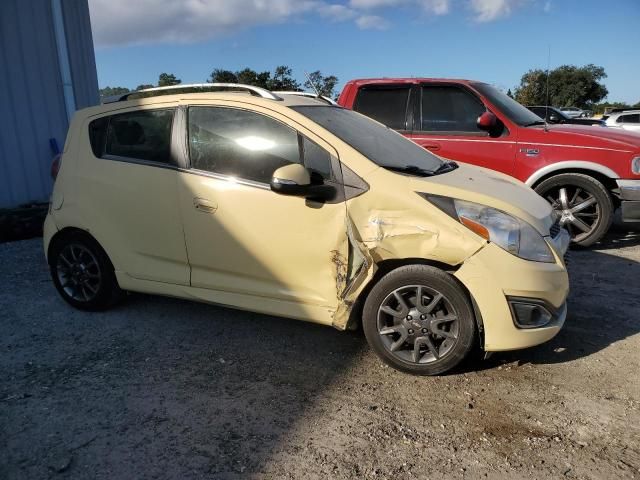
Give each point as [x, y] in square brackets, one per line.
[47, 71]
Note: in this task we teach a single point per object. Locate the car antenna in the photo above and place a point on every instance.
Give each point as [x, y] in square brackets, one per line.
[313, 85]
[546, 103]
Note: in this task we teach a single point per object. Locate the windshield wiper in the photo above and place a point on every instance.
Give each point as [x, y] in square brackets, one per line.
[410, 169]
[444, 167]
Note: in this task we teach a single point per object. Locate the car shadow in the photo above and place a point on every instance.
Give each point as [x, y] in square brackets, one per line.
[620, 235]
[604, 308]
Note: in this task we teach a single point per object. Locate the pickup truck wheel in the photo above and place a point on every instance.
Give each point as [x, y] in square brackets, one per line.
[417, 319]
[583, 203]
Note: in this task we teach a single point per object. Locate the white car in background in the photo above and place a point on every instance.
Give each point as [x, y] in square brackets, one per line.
[572, 112]
[627, 120]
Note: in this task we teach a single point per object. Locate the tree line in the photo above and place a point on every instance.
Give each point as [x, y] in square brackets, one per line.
[568, 86]
[280, 79]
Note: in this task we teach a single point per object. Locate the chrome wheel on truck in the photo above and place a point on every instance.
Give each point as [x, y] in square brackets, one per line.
[583, 204]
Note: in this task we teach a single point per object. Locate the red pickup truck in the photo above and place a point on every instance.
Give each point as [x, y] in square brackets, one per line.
[585, 172]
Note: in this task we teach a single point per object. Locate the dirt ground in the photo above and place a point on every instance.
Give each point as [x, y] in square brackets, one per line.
[163, 388]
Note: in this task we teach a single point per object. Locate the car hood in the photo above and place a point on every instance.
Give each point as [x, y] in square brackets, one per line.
[586, 135]
[487, 187]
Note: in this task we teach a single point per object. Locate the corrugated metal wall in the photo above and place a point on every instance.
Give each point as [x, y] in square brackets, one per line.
[32, 107]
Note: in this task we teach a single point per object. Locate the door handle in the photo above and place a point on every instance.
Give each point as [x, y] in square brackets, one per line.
[431, 146]
[205, 206]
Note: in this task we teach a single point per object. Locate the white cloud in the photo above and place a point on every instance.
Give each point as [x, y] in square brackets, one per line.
[547, 6]
[118, 22]
[489, 10]
[370, 4]
[436, 7]
[337, 12]
[126, 22]
[372, 22]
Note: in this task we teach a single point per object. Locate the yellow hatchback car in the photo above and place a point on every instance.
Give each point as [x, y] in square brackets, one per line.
[290, 206]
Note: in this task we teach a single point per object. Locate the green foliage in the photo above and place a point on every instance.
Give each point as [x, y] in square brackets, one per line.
[110, 91]
[144, 86]
[167, 79]
[324, 85]
[568, 86]
[280, 79]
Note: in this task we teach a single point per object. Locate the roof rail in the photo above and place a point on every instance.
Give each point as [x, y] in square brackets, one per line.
[260, 92]
[321, 98]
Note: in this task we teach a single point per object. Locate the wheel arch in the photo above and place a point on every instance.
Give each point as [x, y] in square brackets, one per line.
[603, 174]
[386, 266]
[65, 232]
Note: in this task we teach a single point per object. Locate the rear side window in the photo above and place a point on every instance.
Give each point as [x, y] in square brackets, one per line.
[141, 135]
[249, 145]
[98, 135]
[633, 118]
[386, 104]
[450, 109]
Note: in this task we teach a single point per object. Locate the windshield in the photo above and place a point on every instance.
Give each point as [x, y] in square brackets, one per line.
[378, 143]
[513, 110]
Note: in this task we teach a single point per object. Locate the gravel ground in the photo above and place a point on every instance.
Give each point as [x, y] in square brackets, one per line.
[164, 388]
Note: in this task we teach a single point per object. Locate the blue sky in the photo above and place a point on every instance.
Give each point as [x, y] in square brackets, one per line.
[490, 40]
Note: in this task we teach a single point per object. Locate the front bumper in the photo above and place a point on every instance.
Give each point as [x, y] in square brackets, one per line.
[629, 192]
[493, 275]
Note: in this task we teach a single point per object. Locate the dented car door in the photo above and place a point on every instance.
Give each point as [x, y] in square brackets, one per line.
[247, 243]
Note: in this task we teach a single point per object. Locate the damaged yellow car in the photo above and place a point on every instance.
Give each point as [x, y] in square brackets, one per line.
[290, 206]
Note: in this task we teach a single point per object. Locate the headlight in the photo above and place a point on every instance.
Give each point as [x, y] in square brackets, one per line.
[635, 165]
[510, 233]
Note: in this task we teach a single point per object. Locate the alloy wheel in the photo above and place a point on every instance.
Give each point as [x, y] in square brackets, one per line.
[78, 272]
[578, 210]
[417, 324]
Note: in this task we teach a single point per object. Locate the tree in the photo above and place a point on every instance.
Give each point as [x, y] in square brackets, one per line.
[111, 91]
[324, 85]
[568, 86]
[251, 77]
[282, 79]
[222, 76]
[167, 79]
[144, 86]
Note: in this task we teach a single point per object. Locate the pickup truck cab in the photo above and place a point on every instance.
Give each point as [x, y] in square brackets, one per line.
[585, 173]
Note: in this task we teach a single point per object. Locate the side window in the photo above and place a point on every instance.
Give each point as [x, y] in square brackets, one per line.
[450, 109]
[316, 159]
[142, 135]
[249, 145]
[633, 118]
[387, 105]
[98, 135]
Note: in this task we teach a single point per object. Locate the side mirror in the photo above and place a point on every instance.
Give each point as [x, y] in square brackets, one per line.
[553, 118]
[295, 180]
[487, 122]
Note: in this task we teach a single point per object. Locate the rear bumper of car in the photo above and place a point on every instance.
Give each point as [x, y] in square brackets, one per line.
[498, 280]
[629, 192]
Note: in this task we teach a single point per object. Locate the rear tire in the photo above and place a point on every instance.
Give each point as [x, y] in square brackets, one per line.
[419, 320]
[82, 272]
[584, 205]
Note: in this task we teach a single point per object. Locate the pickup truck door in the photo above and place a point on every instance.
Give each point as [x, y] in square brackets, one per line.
[444, 123]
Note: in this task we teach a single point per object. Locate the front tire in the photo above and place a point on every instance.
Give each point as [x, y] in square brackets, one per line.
[82, 272]
[583, 203]
[419, 320]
